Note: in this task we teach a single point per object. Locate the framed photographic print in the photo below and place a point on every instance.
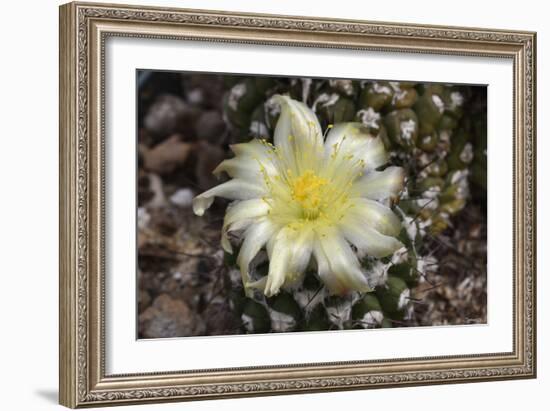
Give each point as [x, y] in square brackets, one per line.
[257, 204]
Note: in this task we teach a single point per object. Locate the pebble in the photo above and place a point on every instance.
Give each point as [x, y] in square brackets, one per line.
[182, 197]
[167, 317]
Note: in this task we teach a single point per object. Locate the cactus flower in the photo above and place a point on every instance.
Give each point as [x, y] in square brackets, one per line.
[311, 199]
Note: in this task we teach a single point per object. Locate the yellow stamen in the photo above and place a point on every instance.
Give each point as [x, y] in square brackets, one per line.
[308, 191]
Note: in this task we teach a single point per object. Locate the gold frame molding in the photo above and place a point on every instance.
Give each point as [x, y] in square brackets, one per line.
[84, 27]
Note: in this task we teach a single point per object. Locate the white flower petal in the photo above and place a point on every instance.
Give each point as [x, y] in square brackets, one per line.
[347, 139]
[255, 238]
[302, 247]
[338, 265]
[240, 215]
[332, 282]
[278, 265]
[298, 136]
[367, 240]
[290, 252]
[374, 215]
[243, 168]
[379, 185]
[232, 190]
[252, 162]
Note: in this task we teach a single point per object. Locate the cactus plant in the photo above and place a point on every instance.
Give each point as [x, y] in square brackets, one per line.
[298, 196]
[424, 129]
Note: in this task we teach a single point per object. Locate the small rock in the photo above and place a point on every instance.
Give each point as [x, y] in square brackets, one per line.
[167, 318]
[158, 198]
[183, 197]
[141, 240]
[143, 218]
[170, 286]
[204, 90]
[165, 157]
[210, 127]
[170, 114]
[145, 194]
[144, 300]
[165, 220]
[150, 281]
[195, 96]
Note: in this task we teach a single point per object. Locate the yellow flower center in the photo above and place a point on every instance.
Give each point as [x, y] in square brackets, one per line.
[308, 191]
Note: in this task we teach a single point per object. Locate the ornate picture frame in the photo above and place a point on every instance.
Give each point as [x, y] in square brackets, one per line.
[84, 29]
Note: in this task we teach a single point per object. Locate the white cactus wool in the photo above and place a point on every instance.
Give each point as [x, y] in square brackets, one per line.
[310, 201]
